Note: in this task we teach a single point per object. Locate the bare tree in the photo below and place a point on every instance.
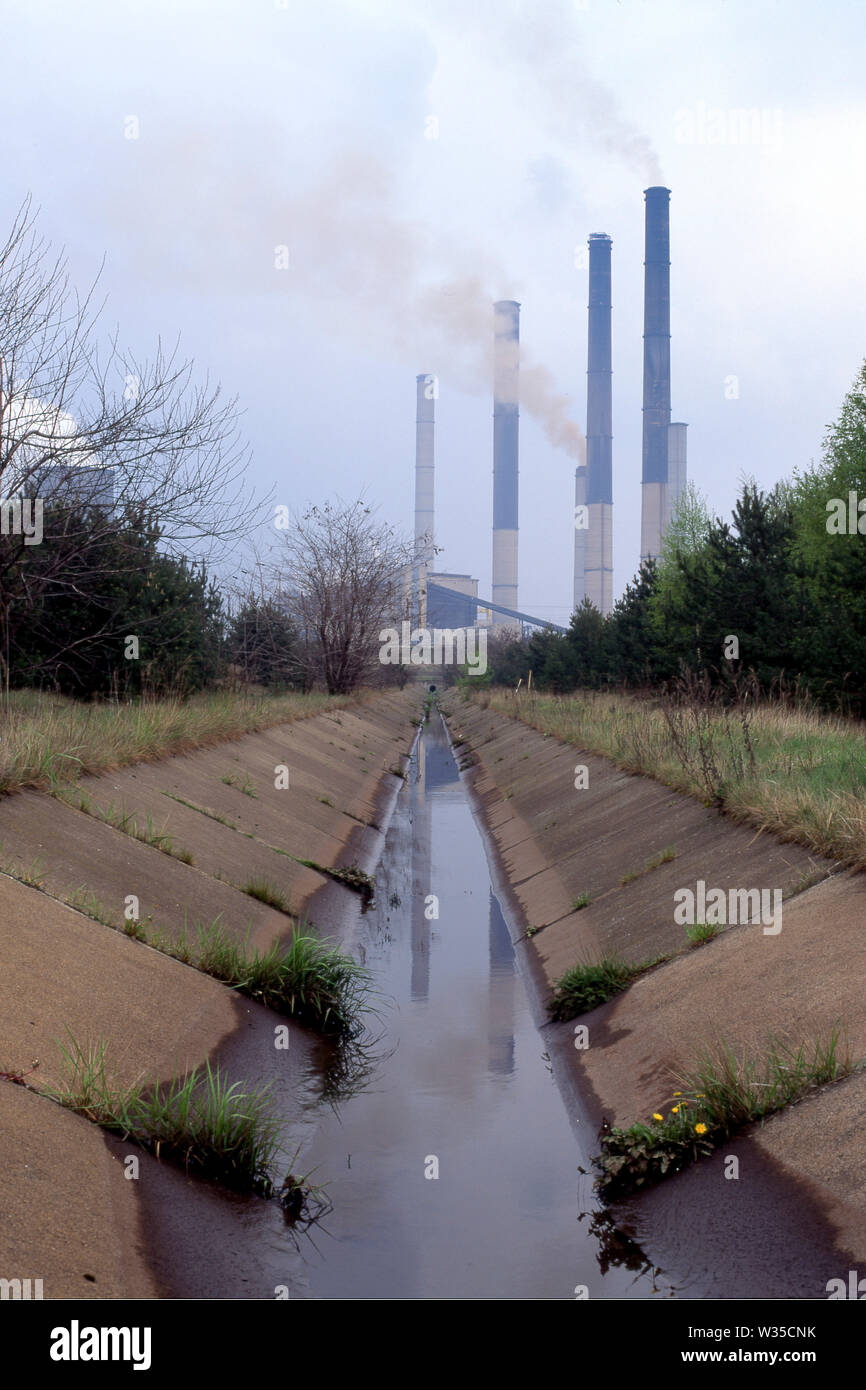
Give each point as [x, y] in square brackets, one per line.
[77, 417]
[343, 578]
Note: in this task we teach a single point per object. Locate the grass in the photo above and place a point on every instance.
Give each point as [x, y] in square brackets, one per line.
[665, 857]
[723, 1095]
[202, 810]
[243, 783]
[807, 783]
[49, 739]
[306, 978]
[266, 892]
[126, 822]
[702, 932]
[215, 1130]
[580, 902]
[591, 983]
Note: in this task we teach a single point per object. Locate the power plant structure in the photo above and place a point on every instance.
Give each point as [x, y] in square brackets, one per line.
[451, 600]
[598, 551]
[663, 474]
[506, 420]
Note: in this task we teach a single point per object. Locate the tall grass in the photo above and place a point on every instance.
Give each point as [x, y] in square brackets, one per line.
[306, 978]
[214, 1129]
[721, 1096]
[795, 771]
[590, 983]
[45, 739]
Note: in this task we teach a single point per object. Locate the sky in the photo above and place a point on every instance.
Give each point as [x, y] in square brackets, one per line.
[323, 199]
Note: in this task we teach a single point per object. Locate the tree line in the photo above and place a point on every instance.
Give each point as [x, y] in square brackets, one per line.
[777, 592]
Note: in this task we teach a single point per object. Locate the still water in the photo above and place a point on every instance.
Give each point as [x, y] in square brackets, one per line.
[455, 1172]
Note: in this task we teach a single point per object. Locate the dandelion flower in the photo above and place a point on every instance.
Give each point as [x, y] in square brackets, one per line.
[658, 1117]
[676, 1110]
[677, 1093]
[700, 1129]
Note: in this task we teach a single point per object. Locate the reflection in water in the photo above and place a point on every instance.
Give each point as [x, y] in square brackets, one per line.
[459, 1079]
[500, 995]
[420, 819]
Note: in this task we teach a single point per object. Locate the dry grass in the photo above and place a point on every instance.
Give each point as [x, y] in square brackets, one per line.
[809, 779]
[46, 739]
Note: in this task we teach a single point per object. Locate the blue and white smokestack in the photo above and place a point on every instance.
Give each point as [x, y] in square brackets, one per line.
[598, 559]
[424, 492]
[656, 371]
[506, 345]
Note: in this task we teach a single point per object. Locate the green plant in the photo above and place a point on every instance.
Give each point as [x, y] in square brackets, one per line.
[214, 1129]
[202, 810]
[265, 892]
[720, 1097]
[656, 862]
[580, 902]
[590, 983]
[243, 783]
[306, 978]
[702, 932]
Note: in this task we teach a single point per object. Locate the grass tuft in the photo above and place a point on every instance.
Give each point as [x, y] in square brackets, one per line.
[214, 1129]
[266, 892]
[591, 983]
[702, 932]
[723, 1095]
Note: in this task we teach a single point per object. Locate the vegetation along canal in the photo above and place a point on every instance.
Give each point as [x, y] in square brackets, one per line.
[454, 1170]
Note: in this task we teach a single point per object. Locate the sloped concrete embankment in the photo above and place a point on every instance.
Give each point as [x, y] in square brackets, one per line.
[796, 1215]
[71, 1218]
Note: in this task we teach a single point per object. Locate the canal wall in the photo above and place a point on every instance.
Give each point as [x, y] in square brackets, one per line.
[72, 1215]
[794, 1216]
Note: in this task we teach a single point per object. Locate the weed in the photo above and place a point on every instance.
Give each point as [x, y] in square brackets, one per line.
[656, 862]
[702, 932]
[723, 1095]
[589, 984]
[580, 902]
[213, 1129]
[202, 810]
[243, 783]
[265, 892]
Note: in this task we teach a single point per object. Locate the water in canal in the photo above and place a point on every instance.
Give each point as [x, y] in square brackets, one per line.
[455, 1172]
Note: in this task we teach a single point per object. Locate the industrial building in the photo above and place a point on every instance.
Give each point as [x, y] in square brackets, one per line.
[451, 600]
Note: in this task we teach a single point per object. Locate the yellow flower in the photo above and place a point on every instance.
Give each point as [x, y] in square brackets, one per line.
[676, 1110]
[677, 1093]
[700, 1129]
[658, 1117]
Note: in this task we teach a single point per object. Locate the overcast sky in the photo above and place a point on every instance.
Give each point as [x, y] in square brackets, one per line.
[417, 164]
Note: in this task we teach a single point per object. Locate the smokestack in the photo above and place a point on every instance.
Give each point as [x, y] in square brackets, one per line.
[598, 564]
[676, 464]
[656, 371]
[506, 342]
[581, 518]
[426, 390]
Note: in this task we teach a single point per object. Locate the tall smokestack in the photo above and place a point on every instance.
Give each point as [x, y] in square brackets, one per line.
[426, 390]
[598, 564]
[581, 518]
[656, 371]
[506, 342]
[676, 464]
